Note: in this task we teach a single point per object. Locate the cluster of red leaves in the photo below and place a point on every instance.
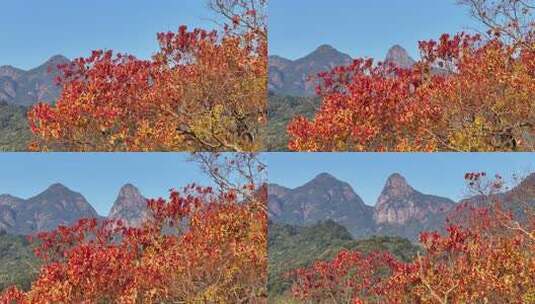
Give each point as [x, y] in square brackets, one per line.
[465, 94]
[485, 258]
[198, 247]
[203, 90]
[350, 277]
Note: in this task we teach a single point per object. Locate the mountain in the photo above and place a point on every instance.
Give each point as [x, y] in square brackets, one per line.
[323, 198]
[130, 207]
[58, 205]
[292, 77]
[398, 56]
[26, 88]
[400, 210]
[292, 247]
[55, 206]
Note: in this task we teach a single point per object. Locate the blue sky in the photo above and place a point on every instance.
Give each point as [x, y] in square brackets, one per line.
[35, 30]
[436, 173]
[98, 176]
[361, 27]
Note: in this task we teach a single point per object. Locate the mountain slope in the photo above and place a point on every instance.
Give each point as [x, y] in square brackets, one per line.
[281, 110]
[292, 247]
[18, 264]
[29, 87]
[15, 133]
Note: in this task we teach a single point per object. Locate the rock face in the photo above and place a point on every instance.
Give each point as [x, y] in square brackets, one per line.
[130, 207]
[399, 57]
[402, 211]
[287, 77]
[29, 87]
[399, 204]
[323, 198]
[56, 206]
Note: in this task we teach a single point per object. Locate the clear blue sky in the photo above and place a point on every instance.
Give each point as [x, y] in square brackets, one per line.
[360, 27]
[34, 30]
[437, 173]
[98, 176]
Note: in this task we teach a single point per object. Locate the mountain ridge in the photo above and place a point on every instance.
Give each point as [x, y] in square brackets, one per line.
[293, 77]
[400, 210]
[27, 87]
[59, 205]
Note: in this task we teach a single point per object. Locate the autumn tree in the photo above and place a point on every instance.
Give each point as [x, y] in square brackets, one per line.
[202, 91]
[201, 245]
[466, 93]
[485, 256]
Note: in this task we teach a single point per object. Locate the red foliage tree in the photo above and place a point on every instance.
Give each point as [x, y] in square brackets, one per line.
[465, 94]
[486, 256]
[202, 91]
[199, 246]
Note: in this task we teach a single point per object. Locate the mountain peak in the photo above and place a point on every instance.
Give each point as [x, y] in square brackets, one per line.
[129, 191]
[396, 48]
[399, 56]
[57, 59]
[326, 48]
[130, 206]
[58, 187]
[396, 185]
[324, 176]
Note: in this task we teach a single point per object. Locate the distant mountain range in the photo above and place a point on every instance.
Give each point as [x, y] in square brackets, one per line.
[58, 205]
[400, 210]
[26, 88]
[292, 77]
[286, 77]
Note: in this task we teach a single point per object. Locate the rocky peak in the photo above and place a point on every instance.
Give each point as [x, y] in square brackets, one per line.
[129, 191]
[400, 204]
[396, 185]
[130, 206]
[398, 56]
